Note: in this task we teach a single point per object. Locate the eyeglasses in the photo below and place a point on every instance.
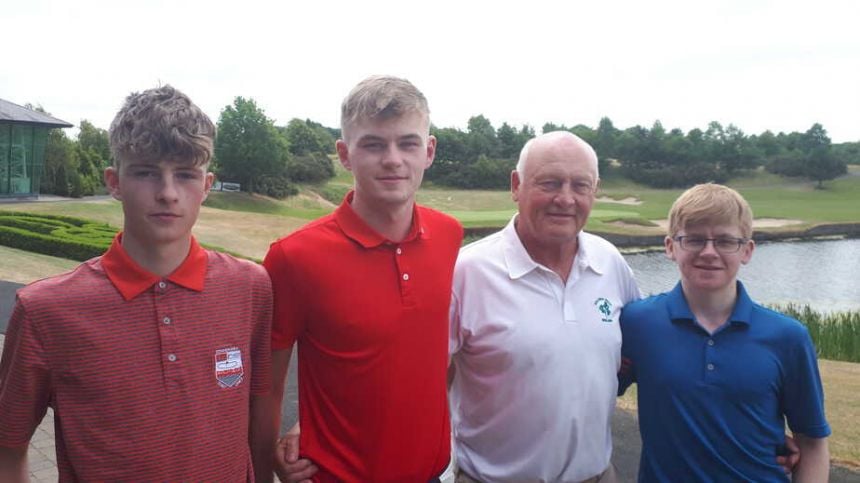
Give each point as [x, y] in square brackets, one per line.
[722, 244]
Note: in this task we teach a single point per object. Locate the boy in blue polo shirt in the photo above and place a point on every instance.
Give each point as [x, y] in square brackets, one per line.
[718, 374]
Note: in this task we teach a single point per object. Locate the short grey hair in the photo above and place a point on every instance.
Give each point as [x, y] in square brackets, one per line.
[555, 136]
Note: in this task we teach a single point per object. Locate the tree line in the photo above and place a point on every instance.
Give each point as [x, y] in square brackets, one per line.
[483, 157]
[269, 159]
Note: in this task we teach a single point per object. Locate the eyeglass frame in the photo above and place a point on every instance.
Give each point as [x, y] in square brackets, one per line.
[738, 243]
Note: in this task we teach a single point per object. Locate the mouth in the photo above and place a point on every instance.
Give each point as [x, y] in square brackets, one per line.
[164, 216]
[709, 268]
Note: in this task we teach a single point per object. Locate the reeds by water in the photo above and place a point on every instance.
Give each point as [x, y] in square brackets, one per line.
[836, 335]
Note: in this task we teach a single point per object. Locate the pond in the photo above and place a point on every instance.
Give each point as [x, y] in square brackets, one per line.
[824, 274]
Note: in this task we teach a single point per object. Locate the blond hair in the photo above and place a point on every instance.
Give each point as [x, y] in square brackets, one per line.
[161, 124]
[381, 97]
[710, 204]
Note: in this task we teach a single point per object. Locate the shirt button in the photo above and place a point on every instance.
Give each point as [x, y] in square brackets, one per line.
[405, 277]
[171, 357]
[710, 341]
[166, 320]
[162, 285]
[710, 367]
[398, 251]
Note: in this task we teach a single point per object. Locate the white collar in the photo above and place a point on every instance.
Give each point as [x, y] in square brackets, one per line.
[520, 263]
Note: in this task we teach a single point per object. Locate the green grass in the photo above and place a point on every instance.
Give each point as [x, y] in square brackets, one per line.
[299, 206]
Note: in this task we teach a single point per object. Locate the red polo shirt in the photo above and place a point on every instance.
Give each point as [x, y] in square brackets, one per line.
[371, 320]
[150, 378]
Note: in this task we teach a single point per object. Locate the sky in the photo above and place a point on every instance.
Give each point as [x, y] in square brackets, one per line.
[758, 64]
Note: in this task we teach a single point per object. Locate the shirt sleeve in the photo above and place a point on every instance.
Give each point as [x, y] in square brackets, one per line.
[287, 318]
[261, 353]
[631, 289]
[627, 372]
[25, 382]
[803, 395]
[454, 339]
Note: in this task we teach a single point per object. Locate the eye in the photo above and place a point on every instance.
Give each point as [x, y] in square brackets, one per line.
[550, 184]
[727, 243]
[143, 173]
[373, 145]
[409, 144]
[188, 175]
[582, 187]
[695, 242]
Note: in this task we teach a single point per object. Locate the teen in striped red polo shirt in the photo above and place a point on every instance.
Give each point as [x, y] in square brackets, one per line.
[151, 355]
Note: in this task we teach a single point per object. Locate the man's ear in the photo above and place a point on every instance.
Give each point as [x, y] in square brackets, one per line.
[207, 186]
[111, 177]
[515, 185]
[431, 150]
[669, 243]
[343, 153]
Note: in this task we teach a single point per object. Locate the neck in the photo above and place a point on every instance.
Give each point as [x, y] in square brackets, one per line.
[161, 260]
[711, 308]
[392, 221]
[557, 257]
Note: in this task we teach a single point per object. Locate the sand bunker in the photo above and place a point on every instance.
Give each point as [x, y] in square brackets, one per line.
[757, 223]
[625, 201]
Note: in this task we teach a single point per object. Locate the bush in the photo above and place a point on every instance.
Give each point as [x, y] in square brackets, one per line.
[277, 187]
[55, 235]
[310, 168]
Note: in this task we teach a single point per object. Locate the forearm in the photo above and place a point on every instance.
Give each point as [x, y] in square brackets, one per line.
[13, 465]
[814, 465]
[263, 435]
[265, 422]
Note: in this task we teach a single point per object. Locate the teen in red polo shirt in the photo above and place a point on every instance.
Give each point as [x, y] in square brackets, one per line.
[151, 355]
[365, 292]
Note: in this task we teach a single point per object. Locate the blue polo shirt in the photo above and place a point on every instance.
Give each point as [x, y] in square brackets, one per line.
[713, 407]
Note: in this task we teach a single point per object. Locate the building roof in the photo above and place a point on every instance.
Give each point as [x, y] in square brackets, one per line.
[11, 112]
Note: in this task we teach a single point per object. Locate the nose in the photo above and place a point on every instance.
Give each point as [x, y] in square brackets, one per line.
[392, 157]
[709, 249]
[167, 190]
[565, 196]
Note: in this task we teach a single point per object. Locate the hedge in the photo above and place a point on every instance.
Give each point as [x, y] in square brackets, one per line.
[55, 235]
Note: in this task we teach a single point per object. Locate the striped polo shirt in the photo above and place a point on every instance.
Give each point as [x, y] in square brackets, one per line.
[150, 378]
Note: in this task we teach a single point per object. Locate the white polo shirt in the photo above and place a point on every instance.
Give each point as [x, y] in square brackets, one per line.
[536, 359]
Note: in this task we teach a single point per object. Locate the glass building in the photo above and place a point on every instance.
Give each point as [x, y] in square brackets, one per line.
[23, 134]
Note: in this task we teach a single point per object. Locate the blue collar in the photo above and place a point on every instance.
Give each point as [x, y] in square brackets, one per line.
[679, 309]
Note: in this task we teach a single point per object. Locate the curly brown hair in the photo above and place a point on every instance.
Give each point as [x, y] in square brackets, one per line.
[161, 124]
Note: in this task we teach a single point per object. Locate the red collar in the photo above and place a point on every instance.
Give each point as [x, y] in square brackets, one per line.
[356, 228]
[131, 279]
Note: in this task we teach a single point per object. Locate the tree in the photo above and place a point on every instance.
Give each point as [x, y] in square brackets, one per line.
[509, 146]
[91, 138]
[303, 138]
[250, 150]
[820, 163]
[60, 163]
[481, 138]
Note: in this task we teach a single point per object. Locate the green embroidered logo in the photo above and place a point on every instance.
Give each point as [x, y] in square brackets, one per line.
[605, 308]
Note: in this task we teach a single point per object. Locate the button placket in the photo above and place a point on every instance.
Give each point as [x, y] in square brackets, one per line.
[164, 318]
[710, 366]
[404, 272]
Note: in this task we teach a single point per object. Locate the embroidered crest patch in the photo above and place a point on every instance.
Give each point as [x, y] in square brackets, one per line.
[605, 308]
[228, 367]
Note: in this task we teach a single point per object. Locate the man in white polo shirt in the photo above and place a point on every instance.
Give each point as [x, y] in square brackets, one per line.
[535, 340]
